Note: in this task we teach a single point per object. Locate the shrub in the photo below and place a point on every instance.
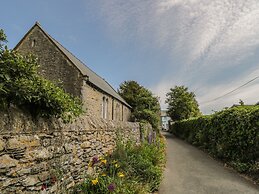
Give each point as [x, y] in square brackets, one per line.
[231, 135]
[144, 162]
[21, 86]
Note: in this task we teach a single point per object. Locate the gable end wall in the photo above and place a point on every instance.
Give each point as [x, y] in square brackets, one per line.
[53, 64]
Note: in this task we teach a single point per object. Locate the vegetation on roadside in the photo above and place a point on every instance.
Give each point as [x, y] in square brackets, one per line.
[21, 86]
[130, 169]
[231, 135]
[145, 106]
[181, 104]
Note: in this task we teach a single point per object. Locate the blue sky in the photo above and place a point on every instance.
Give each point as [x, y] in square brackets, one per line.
[210, 46]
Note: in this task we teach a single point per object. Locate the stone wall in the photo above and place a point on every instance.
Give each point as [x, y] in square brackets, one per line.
[93, 99]
[47, 152]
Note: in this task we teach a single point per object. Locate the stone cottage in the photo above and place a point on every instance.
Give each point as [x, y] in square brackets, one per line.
[63, 68]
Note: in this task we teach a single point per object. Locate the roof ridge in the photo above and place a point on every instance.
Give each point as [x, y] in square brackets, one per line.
[75, 57]
[82, 64]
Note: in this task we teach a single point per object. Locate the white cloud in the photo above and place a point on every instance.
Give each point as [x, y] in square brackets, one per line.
[202, 39]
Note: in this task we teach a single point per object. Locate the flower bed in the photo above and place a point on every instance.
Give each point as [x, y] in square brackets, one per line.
[129, 169]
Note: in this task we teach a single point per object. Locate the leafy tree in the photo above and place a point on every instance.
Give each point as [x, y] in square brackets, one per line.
[181, 103]
[2, 38]
[145, 106]
[20, 85]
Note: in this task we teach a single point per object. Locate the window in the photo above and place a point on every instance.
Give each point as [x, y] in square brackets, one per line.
[33, 43]
[104, 108]
[117, 112]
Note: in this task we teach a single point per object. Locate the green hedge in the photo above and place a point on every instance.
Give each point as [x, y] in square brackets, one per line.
[231, 135]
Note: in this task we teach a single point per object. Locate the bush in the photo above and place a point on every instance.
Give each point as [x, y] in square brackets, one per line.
[231, 135]
[20, 85]
[144, 162]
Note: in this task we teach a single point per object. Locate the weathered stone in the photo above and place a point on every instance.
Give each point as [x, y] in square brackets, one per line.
[85, 144]
[9, 182]
[14, 143]
[24, 171]
[70, 185]
[2, 144]
[7, 162]
[31, 180]
[54, 188]
[40, 154]
[23, 141]
[44, 176]
[68, 148]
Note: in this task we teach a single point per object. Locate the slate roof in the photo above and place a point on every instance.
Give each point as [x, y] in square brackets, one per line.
[93, 78]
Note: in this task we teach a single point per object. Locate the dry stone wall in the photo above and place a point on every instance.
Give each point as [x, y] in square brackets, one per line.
[47, 153]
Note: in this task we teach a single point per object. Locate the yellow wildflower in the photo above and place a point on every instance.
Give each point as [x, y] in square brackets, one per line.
[104, 161]
[103, 174]
[120, 174]
[90, 164]
[94, 181]
[117, 165]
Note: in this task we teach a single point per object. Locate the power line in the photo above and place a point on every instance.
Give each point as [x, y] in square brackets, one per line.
[231, 90]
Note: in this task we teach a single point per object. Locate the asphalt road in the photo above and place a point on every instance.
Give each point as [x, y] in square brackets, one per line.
[191, 171]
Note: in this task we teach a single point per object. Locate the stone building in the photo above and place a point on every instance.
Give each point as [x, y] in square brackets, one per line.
[63, 68]
[165, 120]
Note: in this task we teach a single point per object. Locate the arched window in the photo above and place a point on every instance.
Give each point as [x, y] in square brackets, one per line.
[104, 108]
[117, 112]
[33, 43]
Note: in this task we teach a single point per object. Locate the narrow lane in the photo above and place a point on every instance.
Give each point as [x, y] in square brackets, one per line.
[191, 171]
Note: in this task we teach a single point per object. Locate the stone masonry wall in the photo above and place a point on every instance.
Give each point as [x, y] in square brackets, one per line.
[92, 99]
[53, 64]
[48, 152]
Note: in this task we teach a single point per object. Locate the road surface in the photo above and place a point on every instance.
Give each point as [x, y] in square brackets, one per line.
[191, 171]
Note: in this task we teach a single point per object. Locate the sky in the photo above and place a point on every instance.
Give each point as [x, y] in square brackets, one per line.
[211, 47]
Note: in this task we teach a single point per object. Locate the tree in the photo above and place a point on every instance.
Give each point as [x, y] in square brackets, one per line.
[145, 106]
[181, 103]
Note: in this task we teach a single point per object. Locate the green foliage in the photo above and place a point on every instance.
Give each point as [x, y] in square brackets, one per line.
[2, 38]
[145, 107]
[181, 103]
[130, 169]
[144, 162]
[107, 176]
[105, 182]
[20, 85]
[231, 135]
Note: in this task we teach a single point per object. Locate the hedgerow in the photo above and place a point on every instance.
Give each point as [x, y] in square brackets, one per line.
[231, 135]
[22, 86]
